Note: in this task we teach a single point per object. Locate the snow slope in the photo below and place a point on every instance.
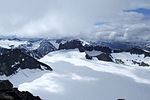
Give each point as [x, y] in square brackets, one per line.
[76, 78]
[8, 43]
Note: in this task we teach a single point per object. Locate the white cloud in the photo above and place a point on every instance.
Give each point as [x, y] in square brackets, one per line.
[70, 18]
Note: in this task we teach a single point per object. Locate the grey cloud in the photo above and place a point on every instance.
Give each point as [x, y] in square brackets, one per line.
[128, 26]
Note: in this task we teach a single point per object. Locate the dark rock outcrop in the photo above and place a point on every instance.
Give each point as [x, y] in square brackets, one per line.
[88, 57]
[7, 92]
[88, 47]
[141, 63]
[97, 48]
[105, 57]
[102, 49]
[29, 52]
[5, 85]
[3, 51]
[44, 48]
[15, 59]
[119, 61]
[73, 44]
[138, 51]
[59, 41]
[144, 64]
[118, 51]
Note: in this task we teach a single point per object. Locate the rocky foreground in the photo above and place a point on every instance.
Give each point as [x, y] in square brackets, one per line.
[7, 92]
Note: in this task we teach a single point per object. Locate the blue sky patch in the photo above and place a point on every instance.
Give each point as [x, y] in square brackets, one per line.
[144, 11]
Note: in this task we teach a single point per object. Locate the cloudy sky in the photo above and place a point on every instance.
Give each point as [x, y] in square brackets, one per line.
[93, 19]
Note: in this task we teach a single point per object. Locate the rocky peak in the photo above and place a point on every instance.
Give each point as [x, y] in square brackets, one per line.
[15, 59]
[44, 48]
[72, 44]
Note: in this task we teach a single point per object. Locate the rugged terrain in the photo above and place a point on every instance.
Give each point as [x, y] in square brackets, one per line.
[7, 92]
[82, 70]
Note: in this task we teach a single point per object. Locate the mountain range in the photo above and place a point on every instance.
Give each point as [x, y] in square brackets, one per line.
[48, 63]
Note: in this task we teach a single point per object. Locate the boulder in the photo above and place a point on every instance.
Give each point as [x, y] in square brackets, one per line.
[5, 85]
[105, 57]
[88, 57]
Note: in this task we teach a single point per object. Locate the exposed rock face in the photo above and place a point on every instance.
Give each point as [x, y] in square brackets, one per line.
[15, 59]
[73, 44]
[102, 49]
[44, 48]
[141, 63]
[144, 64]
[79, 44]
[29, 52]
[38, 48]
[97, 48]
[3, 51]
[119, 61]
[7, 92]
[138, 51]
[134, 51]
[103, 57]
[88, 47]
[88, 57]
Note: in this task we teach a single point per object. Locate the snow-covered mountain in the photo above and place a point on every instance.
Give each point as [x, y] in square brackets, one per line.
[77, 78]
[82, 70]
[44, 48]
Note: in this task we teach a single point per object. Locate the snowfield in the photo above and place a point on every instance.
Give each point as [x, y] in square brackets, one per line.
[76, 78]
[127, 58]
